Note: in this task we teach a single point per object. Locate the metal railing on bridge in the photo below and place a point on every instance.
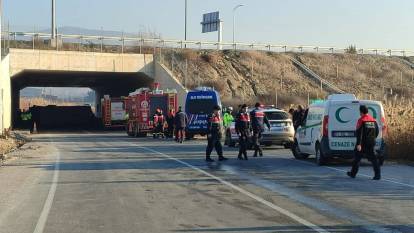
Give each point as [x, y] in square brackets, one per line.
[122, 42]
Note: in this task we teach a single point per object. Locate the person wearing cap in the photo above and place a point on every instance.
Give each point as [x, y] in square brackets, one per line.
[258, 120]
[243, 131]
[228, 117]
[214, 135]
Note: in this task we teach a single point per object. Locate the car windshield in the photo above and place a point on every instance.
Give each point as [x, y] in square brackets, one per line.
[277, 115]
[201, 106]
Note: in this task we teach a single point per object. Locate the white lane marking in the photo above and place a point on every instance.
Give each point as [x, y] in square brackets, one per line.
[359, 174]
[41, 222]
[245, 192]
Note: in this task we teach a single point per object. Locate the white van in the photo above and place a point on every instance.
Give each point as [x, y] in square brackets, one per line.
[329, 128]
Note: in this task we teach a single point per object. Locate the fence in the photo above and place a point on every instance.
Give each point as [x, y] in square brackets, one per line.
[101, 43]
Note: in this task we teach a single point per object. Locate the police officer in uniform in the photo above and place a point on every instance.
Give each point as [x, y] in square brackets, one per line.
[258, 120]
[366, 133]
[214, 135]
[243, 131]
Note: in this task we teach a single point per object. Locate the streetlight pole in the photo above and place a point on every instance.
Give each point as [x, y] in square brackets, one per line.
[234, 22]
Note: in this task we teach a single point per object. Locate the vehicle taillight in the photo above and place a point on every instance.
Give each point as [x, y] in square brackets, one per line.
[325, 126]
[384, 127]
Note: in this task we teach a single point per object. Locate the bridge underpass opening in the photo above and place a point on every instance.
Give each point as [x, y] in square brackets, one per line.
[113, 84]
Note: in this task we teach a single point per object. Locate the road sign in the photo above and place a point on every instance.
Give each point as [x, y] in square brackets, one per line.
[211, 22]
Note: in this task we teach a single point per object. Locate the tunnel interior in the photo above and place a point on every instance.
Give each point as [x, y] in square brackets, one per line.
[114, 84]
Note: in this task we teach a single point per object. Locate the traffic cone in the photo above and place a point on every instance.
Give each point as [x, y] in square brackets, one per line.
[34, 128]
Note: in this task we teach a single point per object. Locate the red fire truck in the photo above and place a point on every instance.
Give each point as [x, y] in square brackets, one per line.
[141, 106]
[113, 112]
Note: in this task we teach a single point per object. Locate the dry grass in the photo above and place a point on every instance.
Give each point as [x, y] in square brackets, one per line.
[400, 138]
[363, 75]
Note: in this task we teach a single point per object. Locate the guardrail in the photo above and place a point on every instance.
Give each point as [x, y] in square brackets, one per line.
[158, 42]
[315, 76]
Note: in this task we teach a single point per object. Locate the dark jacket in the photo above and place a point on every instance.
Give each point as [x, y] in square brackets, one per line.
[214, 125]
[298, 118]
[181, 119]
[366, 131]
[170, 120]
[258, 120]
[243, 123]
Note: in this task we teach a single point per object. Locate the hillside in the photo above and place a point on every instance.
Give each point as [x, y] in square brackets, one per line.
[245, 76]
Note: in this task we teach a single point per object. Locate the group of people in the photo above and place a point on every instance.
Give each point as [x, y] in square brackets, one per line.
[366, 133]
[176, 124]
[247, 125]
[252, 124]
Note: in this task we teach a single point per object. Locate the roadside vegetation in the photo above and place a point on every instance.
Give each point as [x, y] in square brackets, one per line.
[400, 138]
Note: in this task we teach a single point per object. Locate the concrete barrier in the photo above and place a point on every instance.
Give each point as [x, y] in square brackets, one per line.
[28, 59]
[5, 94]
[167, 80]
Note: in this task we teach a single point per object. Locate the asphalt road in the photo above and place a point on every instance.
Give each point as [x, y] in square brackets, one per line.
[107, 182]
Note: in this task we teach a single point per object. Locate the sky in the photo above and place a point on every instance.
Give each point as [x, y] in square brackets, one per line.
[340, 23]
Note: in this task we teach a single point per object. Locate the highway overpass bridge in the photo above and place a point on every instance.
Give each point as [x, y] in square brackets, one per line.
[105, 73]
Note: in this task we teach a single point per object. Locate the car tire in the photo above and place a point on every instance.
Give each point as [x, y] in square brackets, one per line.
[268, 144]
[189, 136]
[320, 157]
[296, 151]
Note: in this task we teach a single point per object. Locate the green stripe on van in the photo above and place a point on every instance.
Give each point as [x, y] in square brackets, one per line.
[310, 126]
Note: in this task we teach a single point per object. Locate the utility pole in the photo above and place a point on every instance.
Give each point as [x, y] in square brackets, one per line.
[185, 24]
[53, 20]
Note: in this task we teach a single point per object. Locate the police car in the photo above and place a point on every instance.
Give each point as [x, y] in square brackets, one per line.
[281, 129]
[329, 128]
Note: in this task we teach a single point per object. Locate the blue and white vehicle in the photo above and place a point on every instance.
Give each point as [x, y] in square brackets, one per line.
[198, 105]
[329, 128]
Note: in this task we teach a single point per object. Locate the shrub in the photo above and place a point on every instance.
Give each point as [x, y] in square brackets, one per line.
[351, 49]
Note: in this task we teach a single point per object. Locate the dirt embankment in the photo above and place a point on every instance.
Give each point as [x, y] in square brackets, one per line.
[10, 143]
[246, 76]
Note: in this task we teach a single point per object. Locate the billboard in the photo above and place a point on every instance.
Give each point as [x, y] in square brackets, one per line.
[211, 22]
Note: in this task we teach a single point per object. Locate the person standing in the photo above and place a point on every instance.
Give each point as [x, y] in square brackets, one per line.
[158, 120]
[298, 116]
[243, 131]
[170, 123]
[366, 133]
[214, 135]
[258, 120]
[181, 121]
[228, 117]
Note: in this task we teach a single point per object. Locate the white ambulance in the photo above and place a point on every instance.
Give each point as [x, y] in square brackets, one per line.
[329, 128]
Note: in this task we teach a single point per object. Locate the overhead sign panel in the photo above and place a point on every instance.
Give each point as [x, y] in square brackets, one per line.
[210, 22]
